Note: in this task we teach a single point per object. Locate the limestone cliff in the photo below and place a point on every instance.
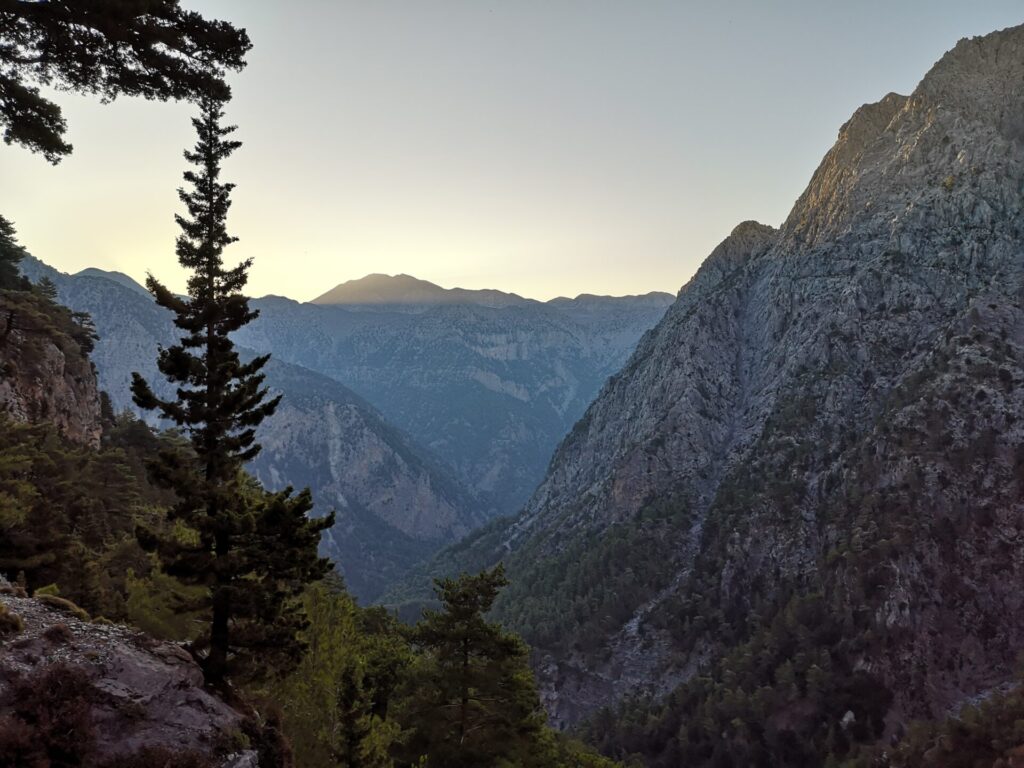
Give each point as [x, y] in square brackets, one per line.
[45, 372]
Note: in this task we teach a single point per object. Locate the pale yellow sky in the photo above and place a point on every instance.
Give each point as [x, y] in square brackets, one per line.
[536, 146]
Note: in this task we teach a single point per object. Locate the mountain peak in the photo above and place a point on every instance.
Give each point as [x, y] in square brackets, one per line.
[980, 78]
[406, 289]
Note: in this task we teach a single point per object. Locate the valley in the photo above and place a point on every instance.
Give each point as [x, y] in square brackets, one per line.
[773, 520]
[417, 423]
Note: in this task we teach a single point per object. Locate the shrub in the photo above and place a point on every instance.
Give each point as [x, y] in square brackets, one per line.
[62, 605]
[18, 745]
[10, 623]
[58, 634]
[51, 724]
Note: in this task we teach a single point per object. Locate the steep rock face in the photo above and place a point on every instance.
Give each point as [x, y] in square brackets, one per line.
[846, 385]
[396, 504]
[143, 694]
[44, 374]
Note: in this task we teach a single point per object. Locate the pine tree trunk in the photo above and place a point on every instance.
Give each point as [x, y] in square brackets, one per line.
[217, 661]
[464, 704]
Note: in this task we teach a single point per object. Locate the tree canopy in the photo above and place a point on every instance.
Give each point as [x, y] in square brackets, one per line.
[149, 48]
[11, 254]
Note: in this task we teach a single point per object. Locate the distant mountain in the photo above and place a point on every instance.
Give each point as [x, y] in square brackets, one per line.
[118, 277]
[489, 389]
[396, 503]
[400, 290]
[792, 522]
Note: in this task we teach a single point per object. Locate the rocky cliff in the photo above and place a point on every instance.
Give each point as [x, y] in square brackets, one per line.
[828, 412]
[46, 373]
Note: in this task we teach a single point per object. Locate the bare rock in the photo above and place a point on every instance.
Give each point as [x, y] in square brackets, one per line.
[145, 694]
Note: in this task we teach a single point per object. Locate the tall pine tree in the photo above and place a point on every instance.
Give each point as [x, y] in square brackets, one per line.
[253, 552]
[473, 698]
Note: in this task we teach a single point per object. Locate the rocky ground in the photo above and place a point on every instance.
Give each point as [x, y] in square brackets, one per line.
[119, 692]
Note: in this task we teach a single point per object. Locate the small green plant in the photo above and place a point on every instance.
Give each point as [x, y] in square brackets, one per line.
[948, 183]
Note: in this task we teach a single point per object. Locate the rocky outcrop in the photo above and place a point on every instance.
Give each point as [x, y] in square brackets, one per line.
[118, 693]
[44, 373]
[394, 503]
[846, 384]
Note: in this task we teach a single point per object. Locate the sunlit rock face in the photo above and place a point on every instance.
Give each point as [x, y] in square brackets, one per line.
[850, 379]
[45, 377]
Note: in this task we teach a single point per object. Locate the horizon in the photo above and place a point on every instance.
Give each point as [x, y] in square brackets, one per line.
[571, 297]
[477, 146]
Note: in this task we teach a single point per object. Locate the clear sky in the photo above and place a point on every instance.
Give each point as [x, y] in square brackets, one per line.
[544, 147]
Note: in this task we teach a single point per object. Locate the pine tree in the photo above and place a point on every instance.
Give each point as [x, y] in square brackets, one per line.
[47, 289]
[19, 452]
[253, 556]
[150, 48]
[336, 704]
[474, 701]
[11, 254]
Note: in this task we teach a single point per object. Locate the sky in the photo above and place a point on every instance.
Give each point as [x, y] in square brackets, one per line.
[543, 147]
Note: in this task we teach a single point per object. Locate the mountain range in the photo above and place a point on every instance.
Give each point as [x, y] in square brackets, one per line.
[415, 425]
[490, 385]
[798, 508]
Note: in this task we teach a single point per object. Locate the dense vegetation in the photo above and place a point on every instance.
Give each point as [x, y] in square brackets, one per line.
[454, 690]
